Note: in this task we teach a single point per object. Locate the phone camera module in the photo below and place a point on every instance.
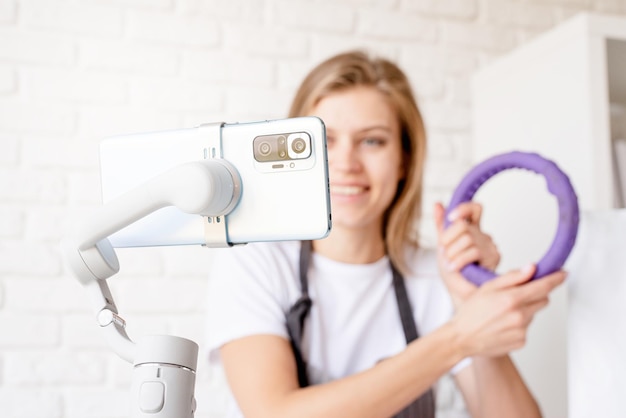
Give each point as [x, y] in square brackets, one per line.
[265, 148]
[282, 151]
[299, 146]
[282, 147]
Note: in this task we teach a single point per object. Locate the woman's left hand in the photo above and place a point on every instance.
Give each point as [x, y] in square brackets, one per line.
[460, 244]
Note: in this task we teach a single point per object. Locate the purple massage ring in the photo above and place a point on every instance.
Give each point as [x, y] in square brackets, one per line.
[558, 184]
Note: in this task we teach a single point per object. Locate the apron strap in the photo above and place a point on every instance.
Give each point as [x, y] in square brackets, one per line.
[404, 306]
[298, 312]
[422, 407]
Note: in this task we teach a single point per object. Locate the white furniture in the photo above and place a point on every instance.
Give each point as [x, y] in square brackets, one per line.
[554, 96]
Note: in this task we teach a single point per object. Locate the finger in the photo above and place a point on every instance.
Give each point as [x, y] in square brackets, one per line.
[541, 288]
[458, 245]
[438, 216]
[511, 279]
[469, 211]
[531, 309]
[555, 279]
[454, 231]
[468, 256]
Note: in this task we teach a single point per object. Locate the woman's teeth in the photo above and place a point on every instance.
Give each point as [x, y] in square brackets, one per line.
[347, 190]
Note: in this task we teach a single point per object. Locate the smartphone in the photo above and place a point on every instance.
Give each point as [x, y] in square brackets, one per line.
[283, 169]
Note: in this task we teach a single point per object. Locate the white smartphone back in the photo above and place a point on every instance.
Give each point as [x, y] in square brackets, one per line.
[284, 181]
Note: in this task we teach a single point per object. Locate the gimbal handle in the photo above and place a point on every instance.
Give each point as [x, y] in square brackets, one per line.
[164, 366]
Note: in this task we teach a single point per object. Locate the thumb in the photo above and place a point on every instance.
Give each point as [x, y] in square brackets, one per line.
[512, 278]
[438, 215]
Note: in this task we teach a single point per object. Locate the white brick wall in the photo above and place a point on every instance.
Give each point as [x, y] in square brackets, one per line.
[73, 72]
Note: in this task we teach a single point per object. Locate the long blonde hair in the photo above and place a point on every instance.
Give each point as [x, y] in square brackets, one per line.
[357, 68]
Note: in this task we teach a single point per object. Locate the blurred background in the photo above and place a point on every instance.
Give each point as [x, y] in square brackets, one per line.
[73, 72]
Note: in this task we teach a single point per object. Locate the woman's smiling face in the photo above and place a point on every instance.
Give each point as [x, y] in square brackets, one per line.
[364, 155]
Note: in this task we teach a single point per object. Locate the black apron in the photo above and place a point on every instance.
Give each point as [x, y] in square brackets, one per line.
[422, 407]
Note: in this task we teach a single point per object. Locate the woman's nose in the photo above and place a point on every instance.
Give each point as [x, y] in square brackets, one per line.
[344, 157]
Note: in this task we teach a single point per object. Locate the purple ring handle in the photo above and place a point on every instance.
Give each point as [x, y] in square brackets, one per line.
[558, 184]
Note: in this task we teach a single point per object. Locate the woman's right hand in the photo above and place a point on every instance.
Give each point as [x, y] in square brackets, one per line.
[462, 243]
[494, 320]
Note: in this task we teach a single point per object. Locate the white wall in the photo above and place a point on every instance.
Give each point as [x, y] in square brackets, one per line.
[72, 72]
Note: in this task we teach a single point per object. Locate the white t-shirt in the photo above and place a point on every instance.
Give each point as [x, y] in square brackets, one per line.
[354, 321]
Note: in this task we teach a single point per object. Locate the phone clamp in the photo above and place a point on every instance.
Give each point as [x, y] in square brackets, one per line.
[228, 187]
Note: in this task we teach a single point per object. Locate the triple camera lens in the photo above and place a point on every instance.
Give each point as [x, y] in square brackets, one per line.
[282, 147]
[298, 145]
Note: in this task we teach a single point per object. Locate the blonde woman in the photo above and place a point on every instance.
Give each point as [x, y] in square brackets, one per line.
[364, 322]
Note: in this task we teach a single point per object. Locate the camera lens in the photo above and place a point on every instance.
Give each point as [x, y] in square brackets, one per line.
[298, 145]
[265, 148]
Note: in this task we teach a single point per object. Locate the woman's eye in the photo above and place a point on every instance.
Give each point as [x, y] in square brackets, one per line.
[373, 142]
